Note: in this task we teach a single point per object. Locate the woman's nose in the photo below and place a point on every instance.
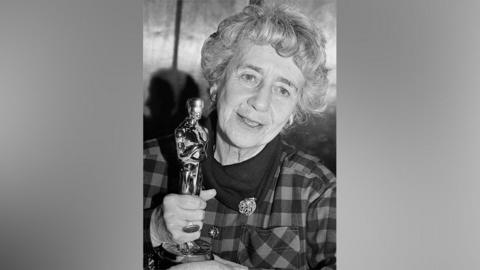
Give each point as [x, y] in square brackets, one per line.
[262, 99]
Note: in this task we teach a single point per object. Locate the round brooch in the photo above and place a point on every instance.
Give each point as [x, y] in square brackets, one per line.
[247, 206]
[213, 232]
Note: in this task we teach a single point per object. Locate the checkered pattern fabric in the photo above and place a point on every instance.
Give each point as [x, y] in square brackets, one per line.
[294, 227]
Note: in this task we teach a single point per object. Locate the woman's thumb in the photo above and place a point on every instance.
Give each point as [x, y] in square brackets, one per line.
[208, 194]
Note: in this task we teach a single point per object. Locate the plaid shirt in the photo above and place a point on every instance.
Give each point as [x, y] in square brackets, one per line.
[293, 228]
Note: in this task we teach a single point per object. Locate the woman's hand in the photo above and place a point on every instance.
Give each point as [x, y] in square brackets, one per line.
[217, 264]
[182, 210]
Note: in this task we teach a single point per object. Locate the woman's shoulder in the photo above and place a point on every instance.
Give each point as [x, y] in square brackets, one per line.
[306, 166]
[162, 147]
[151, 147]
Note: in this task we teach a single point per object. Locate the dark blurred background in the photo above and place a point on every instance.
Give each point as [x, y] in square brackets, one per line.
[173, 34]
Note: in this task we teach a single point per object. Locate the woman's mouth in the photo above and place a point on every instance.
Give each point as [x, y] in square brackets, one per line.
[249, 122]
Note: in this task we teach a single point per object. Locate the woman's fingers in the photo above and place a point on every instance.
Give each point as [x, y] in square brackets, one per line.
[181, 212]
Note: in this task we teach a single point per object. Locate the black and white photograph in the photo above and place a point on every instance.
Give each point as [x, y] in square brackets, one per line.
[239, 134]
[233, 134]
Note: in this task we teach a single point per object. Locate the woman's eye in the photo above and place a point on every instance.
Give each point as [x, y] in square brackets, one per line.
[252, 79]
[283, 92]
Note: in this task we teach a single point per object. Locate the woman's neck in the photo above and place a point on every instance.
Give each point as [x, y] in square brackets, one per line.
[227, 154]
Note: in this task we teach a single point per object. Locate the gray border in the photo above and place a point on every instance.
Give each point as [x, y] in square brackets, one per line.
[408, 134]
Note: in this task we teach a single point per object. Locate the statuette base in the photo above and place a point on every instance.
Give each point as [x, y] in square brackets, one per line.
[199, 251]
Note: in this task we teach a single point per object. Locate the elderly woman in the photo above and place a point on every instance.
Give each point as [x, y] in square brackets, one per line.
[266, 70]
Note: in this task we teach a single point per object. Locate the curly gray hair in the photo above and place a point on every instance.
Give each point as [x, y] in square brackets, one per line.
[289, 32]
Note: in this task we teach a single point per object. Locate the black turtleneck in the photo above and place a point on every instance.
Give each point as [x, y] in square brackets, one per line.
[247, 179]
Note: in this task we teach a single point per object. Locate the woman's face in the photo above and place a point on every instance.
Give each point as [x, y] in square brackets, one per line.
[258, 96]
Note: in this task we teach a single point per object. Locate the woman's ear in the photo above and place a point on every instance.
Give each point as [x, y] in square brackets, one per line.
[213, 92]
[290, 120]
[289, 124]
